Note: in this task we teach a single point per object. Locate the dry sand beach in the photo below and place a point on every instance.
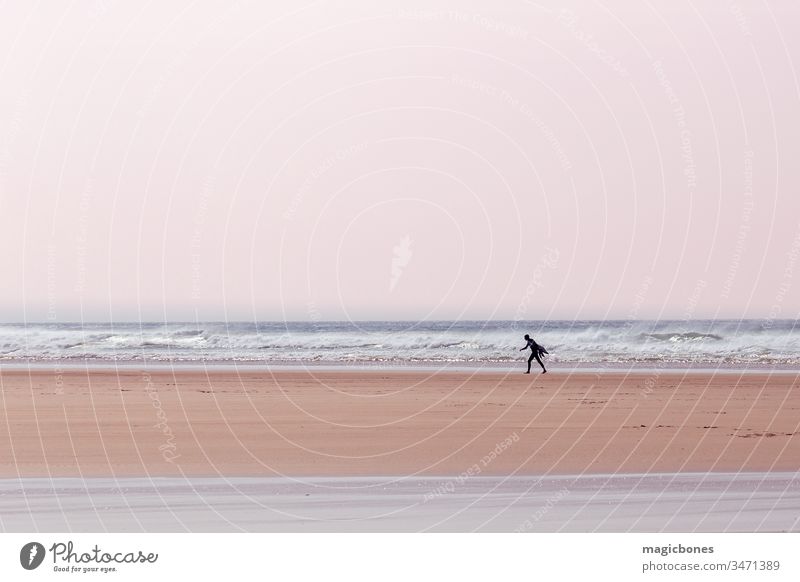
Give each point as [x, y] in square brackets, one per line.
[346, 423]
[350, 450]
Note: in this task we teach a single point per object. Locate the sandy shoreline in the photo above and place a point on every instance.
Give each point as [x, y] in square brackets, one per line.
[82, 423]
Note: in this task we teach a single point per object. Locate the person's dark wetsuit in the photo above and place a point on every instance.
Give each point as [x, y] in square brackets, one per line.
[536, 352]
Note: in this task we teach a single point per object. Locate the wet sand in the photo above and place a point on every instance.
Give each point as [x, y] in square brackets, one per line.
[686, 502]
[101, 423]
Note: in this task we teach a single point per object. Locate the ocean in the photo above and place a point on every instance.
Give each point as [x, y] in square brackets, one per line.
[706, 343]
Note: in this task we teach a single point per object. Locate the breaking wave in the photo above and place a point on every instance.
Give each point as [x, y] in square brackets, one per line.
[748, 342]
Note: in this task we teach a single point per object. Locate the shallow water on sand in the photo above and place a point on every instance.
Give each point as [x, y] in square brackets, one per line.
[684, 502]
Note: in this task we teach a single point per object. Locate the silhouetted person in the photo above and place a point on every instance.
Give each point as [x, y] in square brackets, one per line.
[536, 352]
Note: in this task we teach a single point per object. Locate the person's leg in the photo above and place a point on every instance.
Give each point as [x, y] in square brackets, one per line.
[529, 363]
[540, 363]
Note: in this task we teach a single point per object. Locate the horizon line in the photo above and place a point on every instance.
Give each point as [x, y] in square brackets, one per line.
[293, 321]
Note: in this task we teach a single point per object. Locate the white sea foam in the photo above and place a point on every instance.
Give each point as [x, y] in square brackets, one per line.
[709, 343]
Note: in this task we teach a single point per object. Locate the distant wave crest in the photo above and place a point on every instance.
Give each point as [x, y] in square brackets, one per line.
[580, 342]
[689, 336]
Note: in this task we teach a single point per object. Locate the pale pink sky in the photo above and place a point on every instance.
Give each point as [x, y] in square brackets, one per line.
[332, 160]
